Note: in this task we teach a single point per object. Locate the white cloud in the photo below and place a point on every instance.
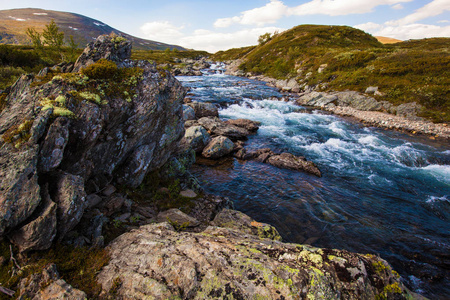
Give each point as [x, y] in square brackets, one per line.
[213, 41]
[432, 9]
[397, 6]
[270, 13]
[276, 9]
[413, 31]
[444, 21]
[341, 7]
[369, 27]
[162, 31]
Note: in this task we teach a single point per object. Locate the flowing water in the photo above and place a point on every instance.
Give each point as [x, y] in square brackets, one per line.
[382, 192]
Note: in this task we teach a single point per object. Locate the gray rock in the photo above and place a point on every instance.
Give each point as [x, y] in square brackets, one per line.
[48, 285]
[157, 262]
[197, 137]
[251, 126]
[71, 200]
[203, 109]
[239, 221]
[110, 47]
[188, 113]
[177, 217]
[40, 232]
[358, 101]
[371, 90]
[55, 142]
[322, 68]
[19, 188]
[217, 127]
[188, 194]
[409, 110]
[93, 200]
[218, 147]
[290, 161]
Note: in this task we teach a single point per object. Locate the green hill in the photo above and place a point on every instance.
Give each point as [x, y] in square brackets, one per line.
[14, 23]
[349, 58]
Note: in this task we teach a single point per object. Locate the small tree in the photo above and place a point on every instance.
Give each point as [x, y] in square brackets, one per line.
[36, 39]
[264, 38]
[72, 48]
[52, 36]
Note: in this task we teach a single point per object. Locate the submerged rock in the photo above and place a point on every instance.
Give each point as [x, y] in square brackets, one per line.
[157, 262]
[290, 161]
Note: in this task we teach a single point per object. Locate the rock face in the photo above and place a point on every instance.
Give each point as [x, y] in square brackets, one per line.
[61, 133]
[156, 262]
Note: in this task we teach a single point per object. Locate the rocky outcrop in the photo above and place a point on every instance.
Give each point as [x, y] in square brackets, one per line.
[78, 134]
[157, 262]
[114, 48]
[48, 285]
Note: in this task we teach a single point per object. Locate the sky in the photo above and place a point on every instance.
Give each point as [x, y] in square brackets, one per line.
[214, 25]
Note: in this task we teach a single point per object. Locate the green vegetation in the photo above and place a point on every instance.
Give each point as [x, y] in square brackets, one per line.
[77, 266]
[350, 59]
[167, 56]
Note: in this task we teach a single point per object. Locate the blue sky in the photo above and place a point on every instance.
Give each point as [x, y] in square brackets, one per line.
[217, 25]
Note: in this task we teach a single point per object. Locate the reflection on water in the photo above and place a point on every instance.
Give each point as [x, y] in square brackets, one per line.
[381, 192]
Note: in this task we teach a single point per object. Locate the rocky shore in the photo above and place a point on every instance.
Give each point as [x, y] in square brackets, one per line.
[98, 151]
[361, 106]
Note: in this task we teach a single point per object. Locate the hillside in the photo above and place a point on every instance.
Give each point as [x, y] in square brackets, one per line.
[14, 23]
[387, 40]
[344, 58]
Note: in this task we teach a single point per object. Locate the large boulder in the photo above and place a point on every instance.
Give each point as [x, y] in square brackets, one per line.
[197, 137]
[157, 262]
[53, 126]
[358, 101]
[218, 147]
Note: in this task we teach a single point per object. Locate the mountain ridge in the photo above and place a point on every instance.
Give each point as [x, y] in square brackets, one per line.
[14, 23]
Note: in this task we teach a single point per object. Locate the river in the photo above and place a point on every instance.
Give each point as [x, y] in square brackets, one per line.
[382, 192]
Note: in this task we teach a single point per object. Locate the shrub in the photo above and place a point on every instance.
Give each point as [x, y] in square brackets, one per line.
[102, 69]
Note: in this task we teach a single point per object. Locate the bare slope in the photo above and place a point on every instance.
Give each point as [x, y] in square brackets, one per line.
[14, 23]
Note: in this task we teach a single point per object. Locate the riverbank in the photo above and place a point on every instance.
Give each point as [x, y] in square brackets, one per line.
[367, 110]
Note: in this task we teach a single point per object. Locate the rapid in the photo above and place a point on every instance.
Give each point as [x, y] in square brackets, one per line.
[382, 192]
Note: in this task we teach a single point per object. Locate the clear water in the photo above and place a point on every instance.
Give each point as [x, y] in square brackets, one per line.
[382, 192]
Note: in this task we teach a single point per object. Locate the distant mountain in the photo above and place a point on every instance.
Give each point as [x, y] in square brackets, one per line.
[387, 40]
[14, 23]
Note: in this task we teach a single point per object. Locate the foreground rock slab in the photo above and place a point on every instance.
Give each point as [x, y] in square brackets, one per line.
[157, 262]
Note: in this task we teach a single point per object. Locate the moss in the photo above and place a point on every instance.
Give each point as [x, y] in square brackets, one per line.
[91, 97]
[380, 267]
[389, 291]
[58, 107]
[19, 134]
[3, 96]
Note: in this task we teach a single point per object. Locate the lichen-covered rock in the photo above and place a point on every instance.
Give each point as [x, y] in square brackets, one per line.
[197, 137]
[203, 109]
[409, 110]
[290, 161]
[48, 285]
[110, 47]
[358, 101]
[218, 147]
[157, 262]
[239, 221]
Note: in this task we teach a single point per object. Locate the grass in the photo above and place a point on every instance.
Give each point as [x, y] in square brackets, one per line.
[411, 71]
